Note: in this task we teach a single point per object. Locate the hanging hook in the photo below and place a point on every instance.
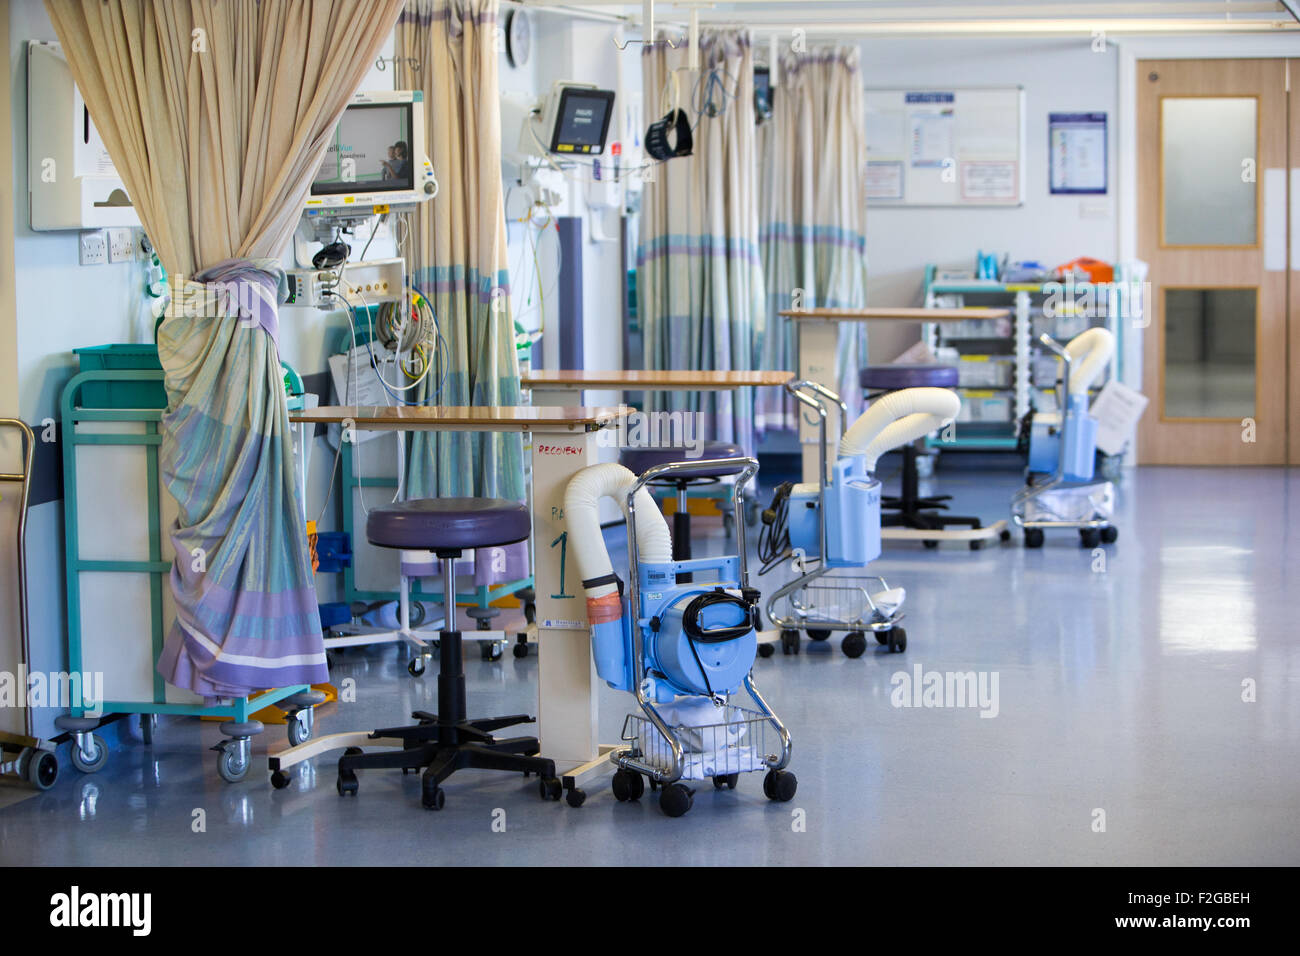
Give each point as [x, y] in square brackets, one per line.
[411, 62]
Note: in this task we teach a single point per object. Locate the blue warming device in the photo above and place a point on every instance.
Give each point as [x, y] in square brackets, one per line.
[1045, 436]
[698, 639]
[852, 516]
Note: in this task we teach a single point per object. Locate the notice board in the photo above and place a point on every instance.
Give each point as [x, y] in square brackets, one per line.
[946, 147]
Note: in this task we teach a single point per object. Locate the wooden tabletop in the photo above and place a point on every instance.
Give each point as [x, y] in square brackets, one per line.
[477, 418]
[895, 314]
[652, 379]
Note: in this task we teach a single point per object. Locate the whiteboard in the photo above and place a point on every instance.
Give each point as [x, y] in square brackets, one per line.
[945, 147]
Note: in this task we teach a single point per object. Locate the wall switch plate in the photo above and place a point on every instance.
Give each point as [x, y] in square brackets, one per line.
[121, 247]
[93, 248]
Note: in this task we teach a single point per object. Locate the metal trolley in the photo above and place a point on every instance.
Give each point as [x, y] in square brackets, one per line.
[744, 741]
[817, 600]
[25, 756]
[87, 424]
[1092, 531]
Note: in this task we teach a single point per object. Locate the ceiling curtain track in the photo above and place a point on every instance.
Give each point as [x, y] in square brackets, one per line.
[217, 113]
[699, 276]
[814, 214]
[456, 251]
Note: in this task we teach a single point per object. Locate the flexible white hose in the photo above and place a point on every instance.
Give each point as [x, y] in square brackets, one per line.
[897, 418]
[582, 518]
[1090, 350]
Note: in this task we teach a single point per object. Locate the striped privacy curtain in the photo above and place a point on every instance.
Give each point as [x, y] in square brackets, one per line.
[456, 254]
[813, 239]
[699, 278]
[217, 114]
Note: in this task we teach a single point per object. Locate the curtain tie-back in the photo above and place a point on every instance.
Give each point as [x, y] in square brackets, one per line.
[248, 290]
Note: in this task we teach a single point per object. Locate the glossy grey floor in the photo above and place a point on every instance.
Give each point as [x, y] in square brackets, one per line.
[1148, 712]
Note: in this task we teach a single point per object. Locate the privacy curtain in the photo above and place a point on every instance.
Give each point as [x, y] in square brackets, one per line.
[456, 251]
[217, 114]
[814, 231]
[699, 278]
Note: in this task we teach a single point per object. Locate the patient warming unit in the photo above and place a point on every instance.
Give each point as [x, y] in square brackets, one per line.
[682, 640]
[1060, 488]
[833, 524]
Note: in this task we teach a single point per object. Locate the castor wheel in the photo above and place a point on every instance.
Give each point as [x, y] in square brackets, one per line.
[780, 785]
[491, 651]
[1004, 534]
[98, 755]
[280, 779]
[347, 783]
[976, 544]
[1109, 534]
[232, 763]
[930, 543]
[550, 788]
[415, 667]
[520, 650]
[854, 644]
[627, 785]
[575, 797]
[1033, 537]
[818, 634]
[42, 769]
[766, 650]
[299, 730]
[675, 800]
[1089, 537]
[897, 640]
[432, 796]
[727, 780]
[789, 641]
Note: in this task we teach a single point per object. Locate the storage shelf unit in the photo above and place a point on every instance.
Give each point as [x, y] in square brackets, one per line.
[1013, 343]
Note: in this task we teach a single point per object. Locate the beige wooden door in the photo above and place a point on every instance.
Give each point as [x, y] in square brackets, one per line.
[1212, 224]
[1293, 276]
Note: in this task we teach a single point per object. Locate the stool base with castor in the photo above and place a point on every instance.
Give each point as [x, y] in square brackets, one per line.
[441, 744]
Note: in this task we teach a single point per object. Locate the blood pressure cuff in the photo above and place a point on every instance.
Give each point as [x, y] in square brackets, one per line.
[656, 137]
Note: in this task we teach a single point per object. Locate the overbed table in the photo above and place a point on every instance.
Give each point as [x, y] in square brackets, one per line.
[564, 442]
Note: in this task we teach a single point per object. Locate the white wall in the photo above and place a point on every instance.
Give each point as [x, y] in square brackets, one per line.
[1058, 75]
[59, 306]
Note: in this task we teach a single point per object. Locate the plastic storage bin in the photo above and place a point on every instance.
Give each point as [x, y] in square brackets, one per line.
[121, 394]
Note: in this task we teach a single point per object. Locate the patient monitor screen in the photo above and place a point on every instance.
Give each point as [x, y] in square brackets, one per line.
[582, 121]
[371, 151]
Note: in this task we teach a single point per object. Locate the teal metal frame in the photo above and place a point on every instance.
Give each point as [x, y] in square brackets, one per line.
[481, 595]
[240, 709]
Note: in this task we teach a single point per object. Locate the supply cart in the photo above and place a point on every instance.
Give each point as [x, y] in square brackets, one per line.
[118, 557]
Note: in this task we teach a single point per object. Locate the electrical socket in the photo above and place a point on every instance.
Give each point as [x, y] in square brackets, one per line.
[121, 245]
[93, 248]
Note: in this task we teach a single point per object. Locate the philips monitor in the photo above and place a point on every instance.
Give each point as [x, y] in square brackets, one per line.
[376, 155]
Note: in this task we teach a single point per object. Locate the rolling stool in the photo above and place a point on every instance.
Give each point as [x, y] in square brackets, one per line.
[446, 742]
[641, 460]
[911, 510]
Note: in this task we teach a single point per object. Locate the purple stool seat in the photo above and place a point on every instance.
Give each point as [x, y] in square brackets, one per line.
[641, 460]
[448, 524]
[890, 378]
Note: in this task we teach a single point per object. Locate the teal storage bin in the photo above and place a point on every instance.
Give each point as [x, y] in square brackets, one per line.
[121, 394]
